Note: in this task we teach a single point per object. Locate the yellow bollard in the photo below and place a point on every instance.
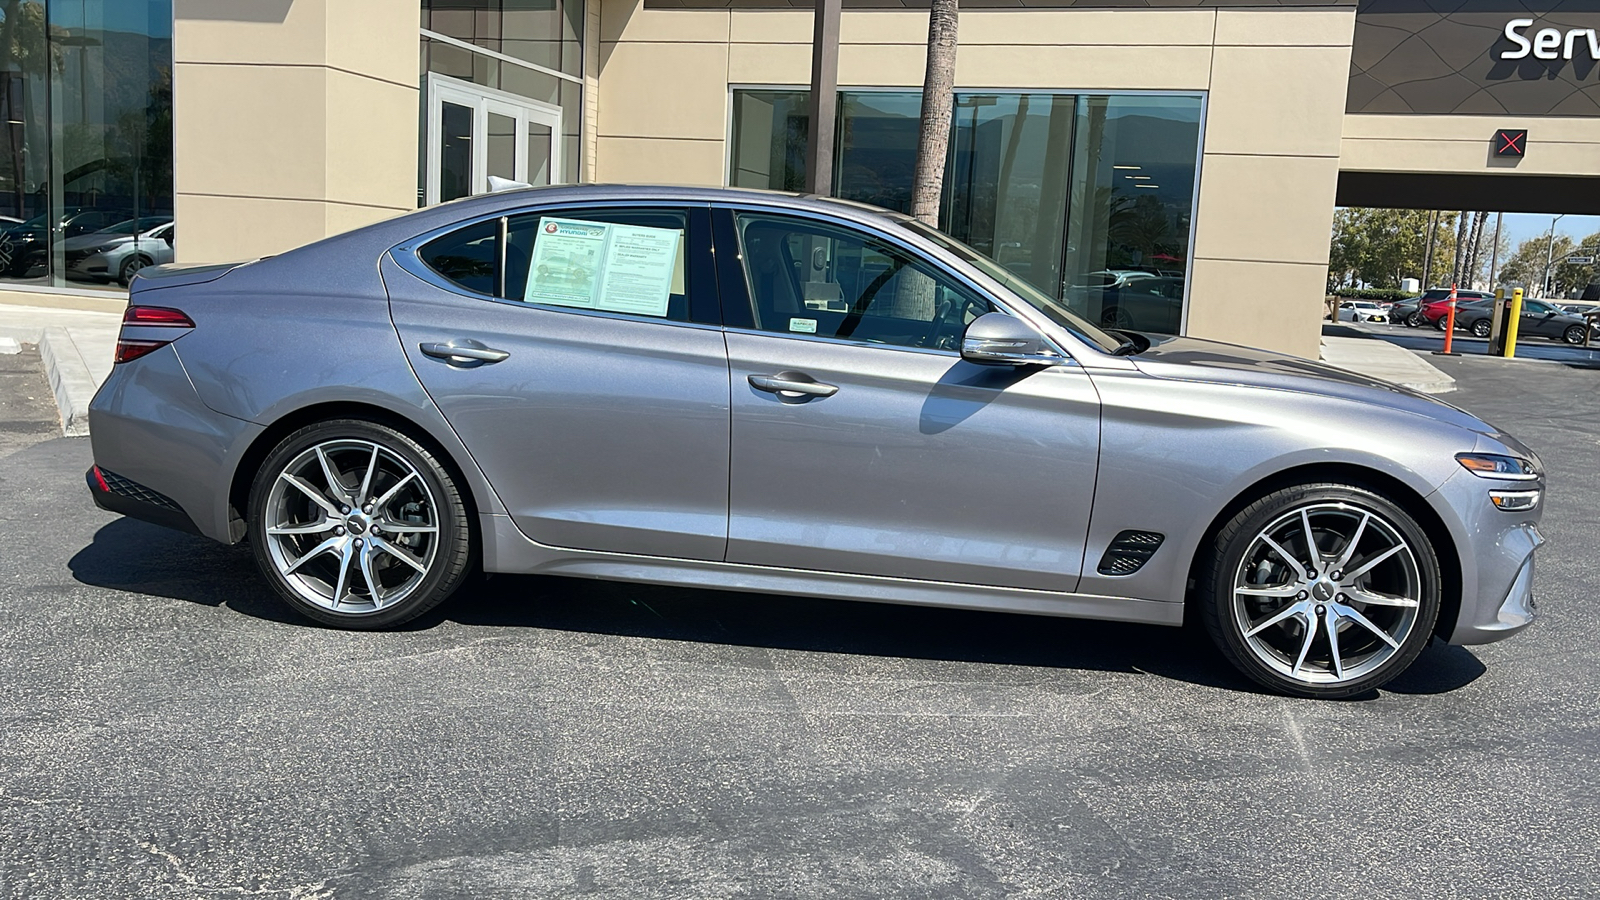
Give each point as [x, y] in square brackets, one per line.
[1511, 327]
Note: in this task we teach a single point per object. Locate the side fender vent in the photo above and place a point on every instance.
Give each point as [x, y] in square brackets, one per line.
[1129, 551]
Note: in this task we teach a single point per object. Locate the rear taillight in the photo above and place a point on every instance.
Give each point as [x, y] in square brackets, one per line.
[148, 328]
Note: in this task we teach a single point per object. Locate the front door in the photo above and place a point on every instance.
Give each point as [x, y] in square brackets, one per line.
[582, 363]
[863, 443]
[474, 132]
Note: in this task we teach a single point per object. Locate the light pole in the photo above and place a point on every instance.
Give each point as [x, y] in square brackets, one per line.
[1549, 254]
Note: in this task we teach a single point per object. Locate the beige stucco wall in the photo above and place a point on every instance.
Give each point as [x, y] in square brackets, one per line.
[1275, 83]
[1461, 144]
[293, 120]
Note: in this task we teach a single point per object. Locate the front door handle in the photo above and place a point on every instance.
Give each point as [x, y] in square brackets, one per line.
[792, 386]
[463, 352]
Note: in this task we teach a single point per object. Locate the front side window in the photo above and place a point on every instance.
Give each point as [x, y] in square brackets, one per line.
[812, 279]
[628, 261]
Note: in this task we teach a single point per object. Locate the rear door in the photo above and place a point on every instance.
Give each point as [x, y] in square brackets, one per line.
[578, 353]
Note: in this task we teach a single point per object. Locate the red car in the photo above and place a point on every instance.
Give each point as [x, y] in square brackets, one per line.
[1436, 303]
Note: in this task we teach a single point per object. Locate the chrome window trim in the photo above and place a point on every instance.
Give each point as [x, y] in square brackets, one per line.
[405, 256]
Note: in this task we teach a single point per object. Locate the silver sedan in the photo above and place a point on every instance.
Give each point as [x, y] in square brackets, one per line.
[763, 392]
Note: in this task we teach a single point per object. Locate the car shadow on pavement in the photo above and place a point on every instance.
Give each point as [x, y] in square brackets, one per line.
[128, 555]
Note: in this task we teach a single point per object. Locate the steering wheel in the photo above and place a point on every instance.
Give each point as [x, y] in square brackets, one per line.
[940, 337]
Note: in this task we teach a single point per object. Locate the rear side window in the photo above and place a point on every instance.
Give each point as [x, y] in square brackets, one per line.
[610, 260]
[628, 261]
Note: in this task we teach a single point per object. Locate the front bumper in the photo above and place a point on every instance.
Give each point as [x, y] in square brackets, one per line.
[1496, 550]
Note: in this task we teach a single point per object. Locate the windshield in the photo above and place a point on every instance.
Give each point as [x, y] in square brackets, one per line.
[1053, 309]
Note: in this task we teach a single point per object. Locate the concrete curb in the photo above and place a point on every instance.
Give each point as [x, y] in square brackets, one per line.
[70, 380]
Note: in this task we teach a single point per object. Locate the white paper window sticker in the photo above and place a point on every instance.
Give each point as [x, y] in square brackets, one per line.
[604, 266]
[804, 326]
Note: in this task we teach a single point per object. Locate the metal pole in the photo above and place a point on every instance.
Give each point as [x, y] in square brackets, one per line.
[1549, 254]
[1494, 250]
[1511, 326]
[824, 100]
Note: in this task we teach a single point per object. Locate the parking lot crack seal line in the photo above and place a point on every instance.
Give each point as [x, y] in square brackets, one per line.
[314, 891]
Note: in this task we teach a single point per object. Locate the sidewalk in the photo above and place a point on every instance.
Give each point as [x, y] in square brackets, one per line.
[1378, 358]
[76, 346]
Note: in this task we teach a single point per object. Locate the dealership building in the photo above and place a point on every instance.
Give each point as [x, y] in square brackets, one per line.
[1201, 142]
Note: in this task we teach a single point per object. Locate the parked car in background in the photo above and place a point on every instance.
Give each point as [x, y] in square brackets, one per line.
[1539, 319]
[22, 247]
[639, 384]
[119, 252]
[1144, 304]
[1436, 302]
[1362, 311]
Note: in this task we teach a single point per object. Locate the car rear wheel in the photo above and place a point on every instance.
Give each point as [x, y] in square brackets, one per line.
[1322, 590]
[1416, 320]
[1574, 334]
[1443, 322]
[356, 525]
[1480, 328]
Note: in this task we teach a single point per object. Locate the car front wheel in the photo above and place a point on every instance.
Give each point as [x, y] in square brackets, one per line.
[1480, 328]
[1322, 590]
[1574, 334]
[356, 525]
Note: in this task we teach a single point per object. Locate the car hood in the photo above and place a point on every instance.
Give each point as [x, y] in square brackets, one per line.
[85, 241]
[1192, 359]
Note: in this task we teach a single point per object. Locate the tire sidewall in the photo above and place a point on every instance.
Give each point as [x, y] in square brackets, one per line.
[454, 535]
[1234, 540]
[1573, 330]
[1481, 328]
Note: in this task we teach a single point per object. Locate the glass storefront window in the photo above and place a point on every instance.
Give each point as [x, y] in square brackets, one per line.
[1086, 197]
[86, 161]
[547, 33]
[541, 139]
[1128, 229]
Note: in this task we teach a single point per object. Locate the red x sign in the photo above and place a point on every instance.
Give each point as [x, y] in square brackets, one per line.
[1509, 142]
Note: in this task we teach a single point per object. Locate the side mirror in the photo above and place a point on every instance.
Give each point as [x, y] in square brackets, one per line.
[996, 339]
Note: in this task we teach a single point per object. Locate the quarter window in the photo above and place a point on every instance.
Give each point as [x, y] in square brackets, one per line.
[811, 279]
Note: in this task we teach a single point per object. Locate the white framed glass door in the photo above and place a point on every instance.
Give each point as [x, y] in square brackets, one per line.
[474, 132]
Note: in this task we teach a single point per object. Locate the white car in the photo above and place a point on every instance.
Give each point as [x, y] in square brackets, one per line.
[1362, 311]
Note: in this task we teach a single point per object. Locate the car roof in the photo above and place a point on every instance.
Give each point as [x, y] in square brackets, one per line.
[688, 193]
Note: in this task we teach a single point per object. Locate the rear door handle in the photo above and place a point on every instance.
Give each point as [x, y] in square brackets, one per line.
[792, 386]
[463, 352]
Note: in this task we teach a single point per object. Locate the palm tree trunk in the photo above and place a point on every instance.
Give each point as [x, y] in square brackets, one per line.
[1461, 245]
[938, 98]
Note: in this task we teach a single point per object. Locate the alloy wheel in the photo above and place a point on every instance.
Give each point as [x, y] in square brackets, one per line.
[351, 526]
[1327, 593]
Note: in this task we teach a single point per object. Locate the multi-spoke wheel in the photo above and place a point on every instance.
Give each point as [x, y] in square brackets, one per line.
[1322, 590]
[357, 525]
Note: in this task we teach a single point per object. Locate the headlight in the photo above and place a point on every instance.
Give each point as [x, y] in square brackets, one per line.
[1494, 465]
[107, 248]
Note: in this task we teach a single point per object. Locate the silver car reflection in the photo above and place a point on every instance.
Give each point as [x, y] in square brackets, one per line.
[119, 252]
[764, 392]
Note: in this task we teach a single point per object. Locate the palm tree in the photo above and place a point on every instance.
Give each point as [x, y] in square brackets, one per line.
[938, 95]
[914, 296]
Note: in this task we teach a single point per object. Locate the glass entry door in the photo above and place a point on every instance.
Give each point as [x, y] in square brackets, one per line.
[474, 132]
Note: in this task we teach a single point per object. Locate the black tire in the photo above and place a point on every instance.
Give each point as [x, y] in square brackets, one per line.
[1416, 319]
[131, 267]
[1574, 334]
[1481, 328]
[1222, 563]
[448, 562]
[1442, 323]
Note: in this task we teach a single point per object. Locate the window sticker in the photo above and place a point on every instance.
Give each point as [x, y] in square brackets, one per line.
[804, 326]
[597, 265]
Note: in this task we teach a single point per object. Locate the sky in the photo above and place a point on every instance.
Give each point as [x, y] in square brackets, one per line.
[1521, 226]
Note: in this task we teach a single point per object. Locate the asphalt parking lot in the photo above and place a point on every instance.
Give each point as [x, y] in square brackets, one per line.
[166, 730]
